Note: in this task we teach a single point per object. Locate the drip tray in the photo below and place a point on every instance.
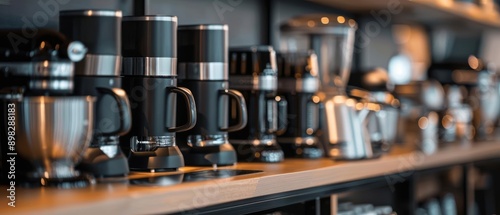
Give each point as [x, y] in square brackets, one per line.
[167, 180]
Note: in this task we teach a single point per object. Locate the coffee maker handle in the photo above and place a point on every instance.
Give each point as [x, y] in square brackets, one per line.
[191, 106]
[282, 115]
[243, 116]
[123, 110]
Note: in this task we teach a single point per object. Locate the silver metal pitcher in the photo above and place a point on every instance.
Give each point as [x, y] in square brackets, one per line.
[345, 131]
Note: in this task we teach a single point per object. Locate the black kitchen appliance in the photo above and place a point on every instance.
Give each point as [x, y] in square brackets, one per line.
[150, 79]
[298, 83]
[203, 69]
[99, 75]
[253, 71]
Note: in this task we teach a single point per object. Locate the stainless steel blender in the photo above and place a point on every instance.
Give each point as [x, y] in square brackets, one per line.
[344, 126]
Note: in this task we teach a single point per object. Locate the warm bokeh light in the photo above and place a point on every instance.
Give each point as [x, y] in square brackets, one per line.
[341, 19]
[311, 23]
[325, 20]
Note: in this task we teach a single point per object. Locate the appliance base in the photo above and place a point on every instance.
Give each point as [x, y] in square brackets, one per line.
[220, 155]
[160, 160]
[301, 147]
[249, 152]
[101, 165]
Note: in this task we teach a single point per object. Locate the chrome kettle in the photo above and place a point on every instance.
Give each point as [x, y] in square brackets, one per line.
[345, 127]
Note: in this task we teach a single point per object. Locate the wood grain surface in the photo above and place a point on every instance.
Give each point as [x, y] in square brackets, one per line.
[292, 174]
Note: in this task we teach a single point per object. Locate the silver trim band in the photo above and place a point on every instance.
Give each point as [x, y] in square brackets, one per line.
[247, 82]
[38, 69]
[151, 18]
[203, 71]
[111, 13]
[203, 27]
[150, 66]
[99, 65]
[266, 82]
[52, 85]
[307, 85]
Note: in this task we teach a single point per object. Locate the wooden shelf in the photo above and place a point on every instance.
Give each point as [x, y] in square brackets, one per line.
[426, 11]
[293, 174]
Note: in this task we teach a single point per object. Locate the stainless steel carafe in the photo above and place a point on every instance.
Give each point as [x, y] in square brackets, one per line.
[98, 75]
[203, 69]
[298, 83]
[382, 123]
[149, 49]
[253, 71]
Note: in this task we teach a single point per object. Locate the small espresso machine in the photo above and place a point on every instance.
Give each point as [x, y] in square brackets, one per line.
[45, 125]
[149, 49]
[253, 71]
[99, 75]
[344, 121]
[203, 68]
[298, 82]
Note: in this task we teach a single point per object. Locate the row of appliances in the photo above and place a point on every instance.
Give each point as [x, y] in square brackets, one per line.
[114, 94]
[104, 90]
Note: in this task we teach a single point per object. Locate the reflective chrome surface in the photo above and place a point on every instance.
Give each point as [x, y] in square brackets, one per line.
[345, 128]
[428, 124]
[307, 85]
[53, 132]
[266, 82]
[151, 18]
[42, 76]
[207, 140]
[150, 66]
[38, 68]
[383, 124]
[99, 65]
[203, 71]
[151, 143]
[204, 27]
[91, 13]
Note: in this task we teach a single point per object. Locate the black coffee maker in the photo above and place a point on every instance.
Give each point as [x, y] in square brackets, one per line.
[99, 75]
[298, 82]
[203, 69]
[36, 83]
[253, 70]
[150, 80]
